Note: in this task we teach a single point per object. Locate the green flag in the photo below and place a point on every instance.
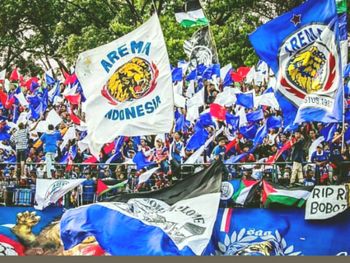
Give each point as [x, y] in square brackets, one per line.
[341, 6]
[191, 15]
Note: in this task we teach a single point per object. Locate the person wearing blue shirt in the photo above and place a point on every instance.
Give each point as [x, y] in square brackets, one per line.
[218, 152]
[50, 140]
[176, 147]
[320, 158]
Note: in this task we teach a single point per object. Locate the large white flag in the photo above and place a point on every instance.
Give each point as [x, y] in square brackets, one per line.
[128, 86]
[49, 191]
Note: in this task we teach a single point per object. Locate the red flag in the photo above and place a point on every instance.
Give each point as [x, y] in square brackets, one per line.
[109, 147]
[218, 111]
[29, 82]
[272, 159]
[69, 79]
[230, 145]
[236, 77]
[73, 99]
[91, 159]
[101, 187]
[10, 102]
[243, 71]
[75, 119]
[14, 75]
[10, 247]
[3, 97]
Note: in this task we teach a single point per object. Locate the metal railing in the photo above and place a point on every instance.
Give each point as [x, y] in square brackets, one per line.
[11, 193]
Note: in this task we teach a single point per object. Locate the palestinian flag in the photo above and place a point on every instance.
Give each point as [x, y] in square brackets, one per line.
[244, 191]
[191, 15]
[104, 187]
[275, 194]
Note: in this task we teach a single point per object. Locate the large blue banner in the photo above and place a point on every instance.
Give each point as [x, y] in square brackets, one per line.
[302, 48]
[256, 232]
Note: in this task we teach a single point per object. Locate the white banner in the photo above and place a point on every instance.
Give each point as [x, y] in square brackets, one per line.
[187, 222]
[53, 118]
[49, 191]
[327, 201]
[128, 86]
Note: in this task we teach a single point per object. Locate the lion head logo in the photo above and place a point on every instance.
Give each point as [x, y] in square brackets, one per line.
[306, 69]
[258, 249]
[131, 81]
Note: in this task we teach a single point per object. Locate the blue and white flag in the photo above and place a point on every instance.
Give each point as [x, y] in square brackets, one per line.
[160, 223]
[49, 77]
[246, 99]
[126, 84]
[302, 48]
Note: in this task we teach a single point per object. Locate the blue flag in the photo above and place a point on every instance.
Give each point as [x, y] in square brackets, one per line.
[347, 71]
[232, 120]
[197, 140]
[205, 120]
[4, 135]
[291, 44]
[181, 124]
[249, 131]
[236, 158]
[274, 122]
[54, 92]
[216, 70]
[260, 135]
[49, 78]
[192, 75]
[328, 131]
[177, 74]
[141, 161]
[228, 79]
[255, 116]
[245, 99]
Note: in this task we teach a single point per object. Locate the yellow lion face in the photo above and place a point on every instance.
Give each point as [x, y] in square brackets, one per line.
[305, 69]
[130, 81]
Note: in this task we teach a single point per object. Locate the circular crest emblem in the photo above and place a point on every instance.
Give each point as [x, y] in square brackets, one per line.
[227, 191]
[307, 64]
[131, 81]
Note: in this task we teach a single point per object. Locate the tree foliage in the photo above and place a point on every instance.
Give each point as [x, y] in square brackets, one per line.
[40, 30]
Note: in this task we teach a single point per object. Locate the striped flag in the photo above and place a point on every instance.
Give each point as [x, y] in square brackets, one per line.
[191, 15]
[273, 194]
[244, 191]
[103, 188]
[226, 220]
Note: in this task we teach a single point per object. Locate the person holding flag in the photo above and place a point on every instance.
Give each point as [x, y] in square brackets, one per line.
[50, 140]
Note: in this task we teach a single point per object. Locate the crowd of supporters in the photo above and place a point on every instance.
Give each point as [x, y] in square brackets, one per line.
[31, 147]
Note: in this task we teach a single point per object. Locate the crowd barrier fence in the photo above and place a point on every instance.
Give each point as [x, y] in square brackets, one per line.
[12, 193]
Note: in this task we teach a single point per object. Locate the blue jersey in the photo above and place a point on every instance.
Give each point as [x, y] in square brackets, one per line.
[176, 149]
[219, 151]
[319, 157]
[309, 182]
